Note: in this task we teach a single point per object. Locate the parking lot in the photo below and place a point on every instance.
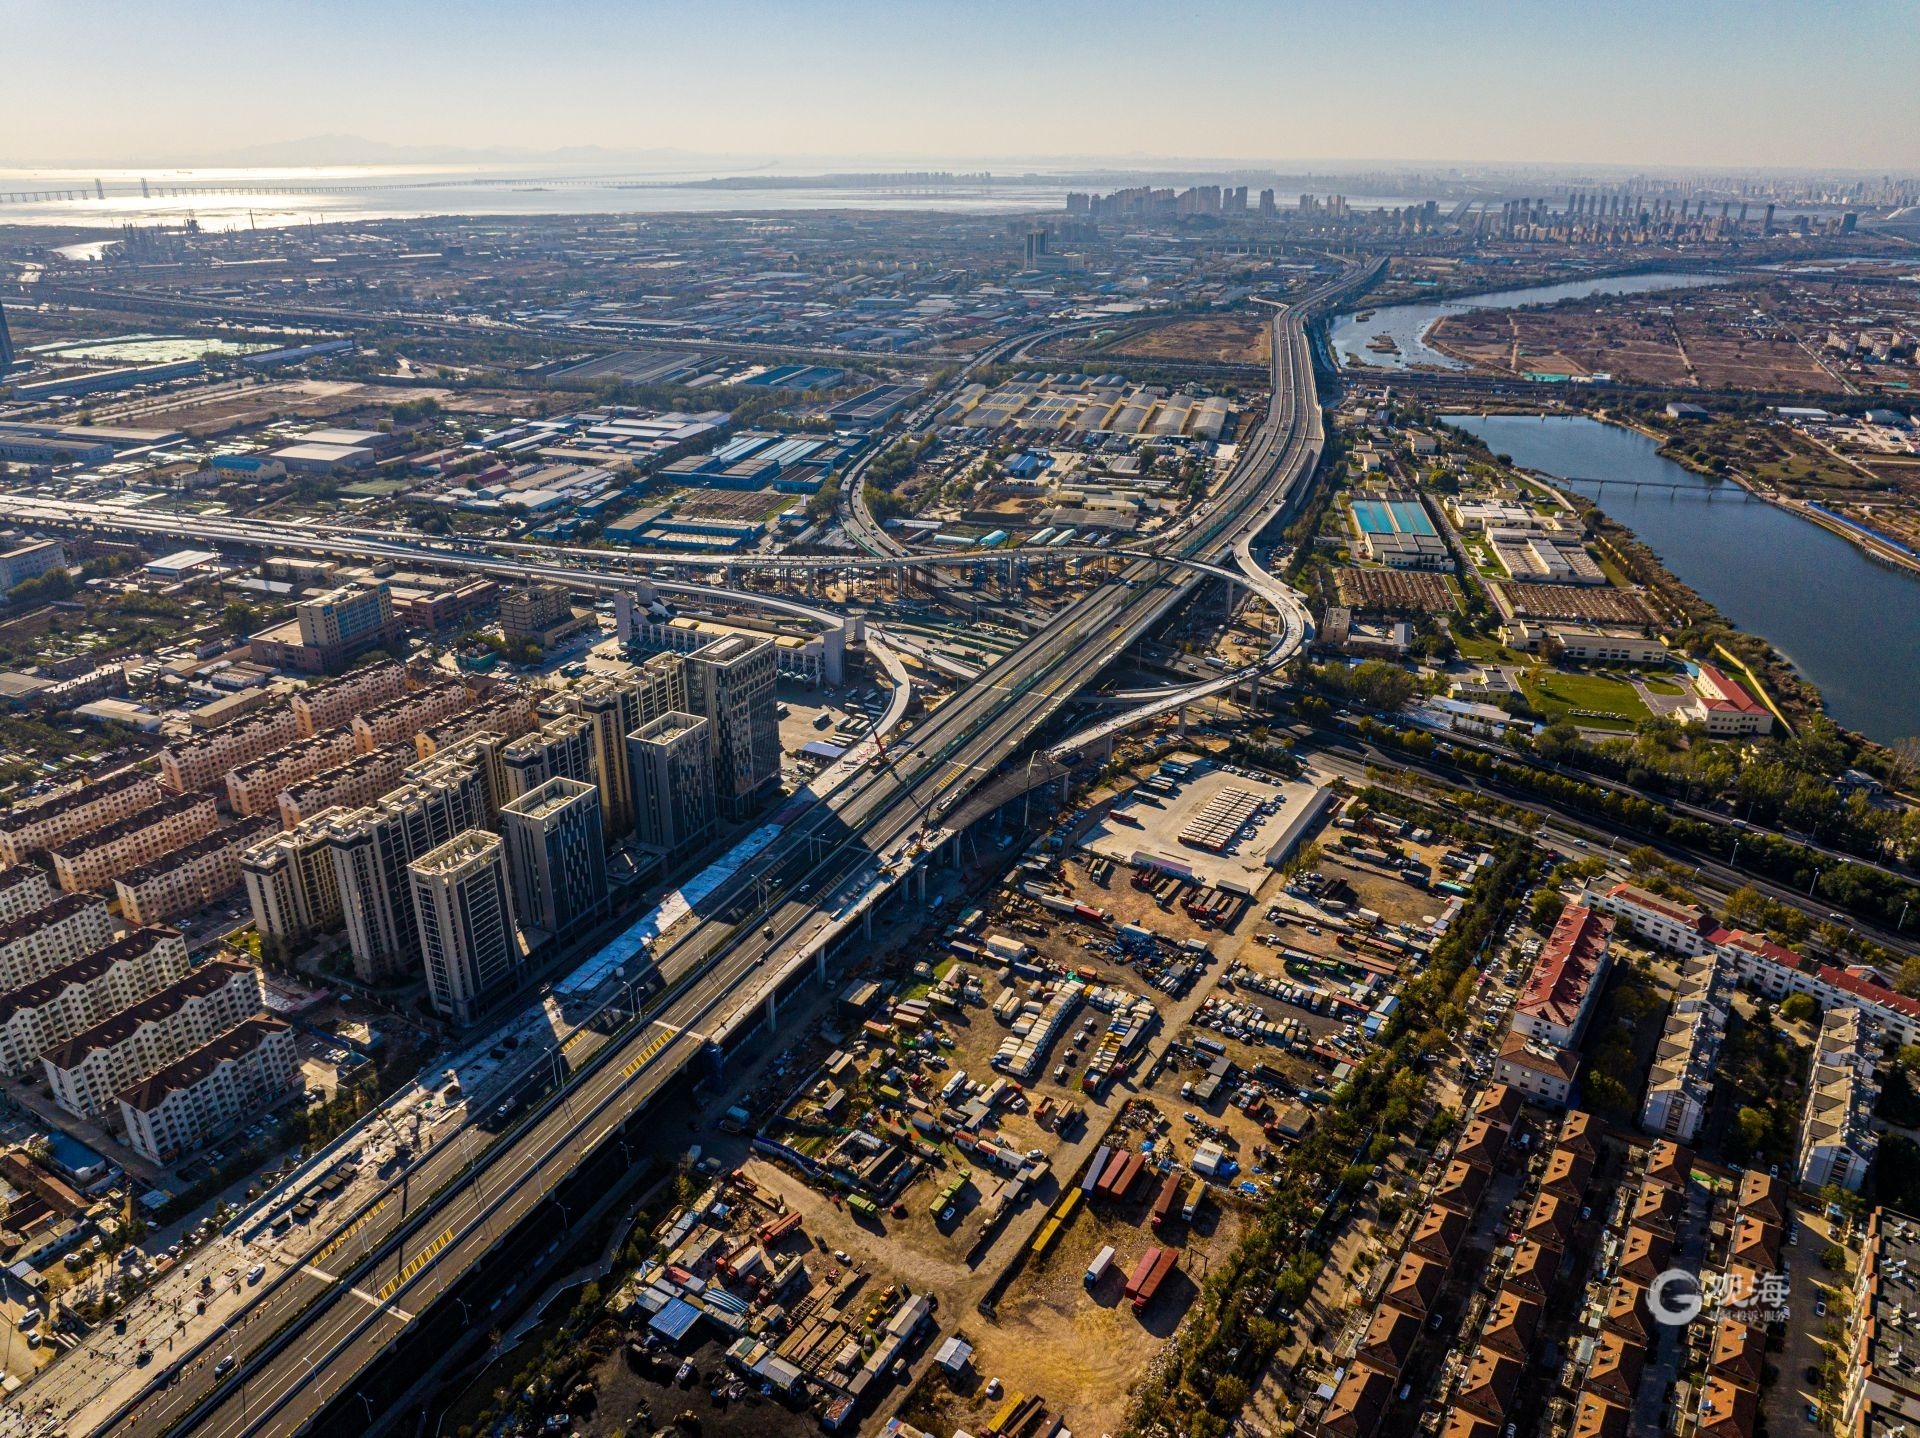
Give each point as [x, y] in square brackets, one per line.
[1153, 819]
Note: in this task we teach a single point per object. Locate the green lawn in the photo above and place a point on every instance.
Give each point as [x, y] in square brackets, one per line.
[1482, 650]
[1598, 701]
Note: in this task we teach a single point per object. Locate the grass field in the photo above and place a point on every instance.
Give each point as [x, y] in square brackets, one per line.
[1486, 651]
[1598, 701]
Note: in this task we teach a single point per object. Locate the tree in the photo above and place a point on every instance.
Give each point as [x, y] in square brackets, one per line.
[1605, 1094]
[1548, 906]
[239, 619]
[1799, 1008]
[1750, 1127]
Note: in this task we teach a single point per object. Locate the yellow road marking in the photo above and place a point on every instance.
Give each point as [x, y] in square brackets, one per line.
[334, 1243]
[641, 1059]
[415, 1264]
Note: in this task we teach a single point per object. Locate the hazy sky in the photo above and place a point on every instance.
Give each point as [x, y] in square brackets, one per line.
[1677, 82]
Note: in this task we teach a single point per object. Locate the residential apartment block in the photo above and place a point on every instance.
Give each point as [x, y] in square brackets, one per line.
[238, 1076]
[1542, 1071]
[90, 1069]
[320, 707]
[89, 861]
[76, 996]
[37, 943]
[23, 888]
[1670, 924]
[730, 683]
[398, 720]
[1681, 1082]
[188, 878]
[290, 882]
[671, 765]
[561, 748]
[505, 713]
[50, 822]
[1770, 969]
[462, 901]
[615, 705]
[1564, 984]
[197, 762]
[359, 781]
[1837, 1137]
[372, 846]
[1880, 1382]
[556, 856]
[256, 788]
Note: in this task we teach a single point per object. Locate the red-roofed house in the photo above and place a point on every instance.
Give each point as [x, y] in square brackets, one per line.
[1760, 964]
[1566, 979]
[1542, 1071]
[1667, 923]
[1724, 707]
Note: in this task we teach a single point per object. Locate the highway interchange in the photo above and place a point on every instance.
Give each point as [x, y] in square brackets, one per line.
[314, 1329]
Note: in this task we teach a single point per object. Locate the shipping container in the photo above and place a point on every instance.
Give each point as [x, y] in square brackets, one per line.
[1164, 1263]
[1097, 1270]
[1165, 1202]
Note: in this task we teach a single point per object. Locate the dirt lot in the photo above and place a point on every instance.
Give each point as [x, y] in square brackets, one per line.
[1081, 1350]
[278, 399]
[1221, 339]
[1708, 338]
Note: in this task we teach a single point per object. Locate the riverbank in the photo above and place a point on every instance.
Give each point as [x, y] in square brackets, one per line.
[1826, 624]
[1407, 323]
[1859, 536]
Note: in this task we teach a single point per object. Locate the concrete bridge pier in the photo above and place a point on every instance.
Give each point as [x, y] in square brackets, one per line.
[773, 1009]
[820, 964]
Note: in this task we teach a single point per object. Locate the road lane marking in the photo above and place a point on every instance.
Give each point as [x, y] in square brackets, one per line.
[344, 1234]
[641, 1059]
[413, 1265]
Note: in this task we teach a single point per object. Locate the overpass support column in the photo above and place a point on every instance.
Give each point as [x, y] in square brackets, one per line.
[773, 1011]
[820, 964]
[866, 922]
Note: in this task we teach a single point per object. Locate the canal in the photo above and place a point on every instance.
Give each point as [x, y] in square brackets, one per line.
[1849, 623]
[1407, 325]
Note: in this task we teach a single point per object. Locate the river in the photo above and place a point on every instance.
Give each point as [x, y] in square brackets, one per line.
[1408, 324]
[1849, 623]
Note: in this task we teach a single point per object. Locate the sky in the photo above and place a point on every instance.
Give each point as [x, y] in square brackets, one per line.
[1679, 83]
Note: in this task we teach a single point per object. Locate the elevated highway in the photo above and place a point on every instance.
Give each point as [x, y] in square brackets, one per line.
[317, 1329]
